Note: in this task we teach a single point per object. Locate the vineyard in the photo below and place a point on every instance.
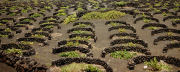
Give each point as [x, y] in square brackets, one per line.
[90, 36]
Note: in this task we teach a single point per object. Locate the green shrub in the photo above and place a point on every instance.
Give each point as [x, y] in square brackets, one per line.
[176, 19]
[113, 15]
[81, 32]
[121, 3]
[14, 50]
[61, 14]
[3, 35]
[12, 14]
[153, 28]
[38, 35]
[81, 38]
[122, 54]
[70, 18]
[91, 68]
[27, 42]
[157, 66]
[115, 24]
[79, 67]
[170, 33]
[24, 11]
[131, 44]
[71, 54]
[82, 25]
[1, 24]
[26, 20]
[8, 30]
[47, 7]
[72, 44]
[92, 15]
[2, 11]
[79, 9]
[146, 20]
[35, 15]
[13, 8]
[5, 20]
[103, 15]
[121, 30]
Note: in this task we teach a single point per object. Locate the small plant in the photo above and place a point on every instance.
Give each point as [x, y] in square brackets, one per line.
[3, 35]
[42, 10]
[136, 0]
[26, 20]
[72, 44]
[122, 54]
[136, 11]
[94, 3]
[35, 2]
[123, 37]
[65, 7]
[115, 24]
[157, 66]
[79, 9]
[27, 42]
[156, 10]
[176, 8]
[92, 15]
[82, 25]
[103, 15]
[35, 15]
[5, 20]
[29, 8]
[40, 30]
[158, 4]
[164, 14]
[38, 35]
[146, 20]
[131, 44]
[80, 67]
[81, 38]
[91, 68]
[51, 19]
[61, 14]
[144, 15]
[72, 54]
[1, 24]
[47, 23]
[113, 15]
[73, 67]
[47, 7]
[176, 4]
[13, 50]
[12, 14]
[103, 9]
[176, 19]
[2, 11]
[13, 8]
[121, 30]
[170, 33]
[80, 32]
[121, 3]
[70, 18]
[61, 10]
[24, 10]
[7, 30]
